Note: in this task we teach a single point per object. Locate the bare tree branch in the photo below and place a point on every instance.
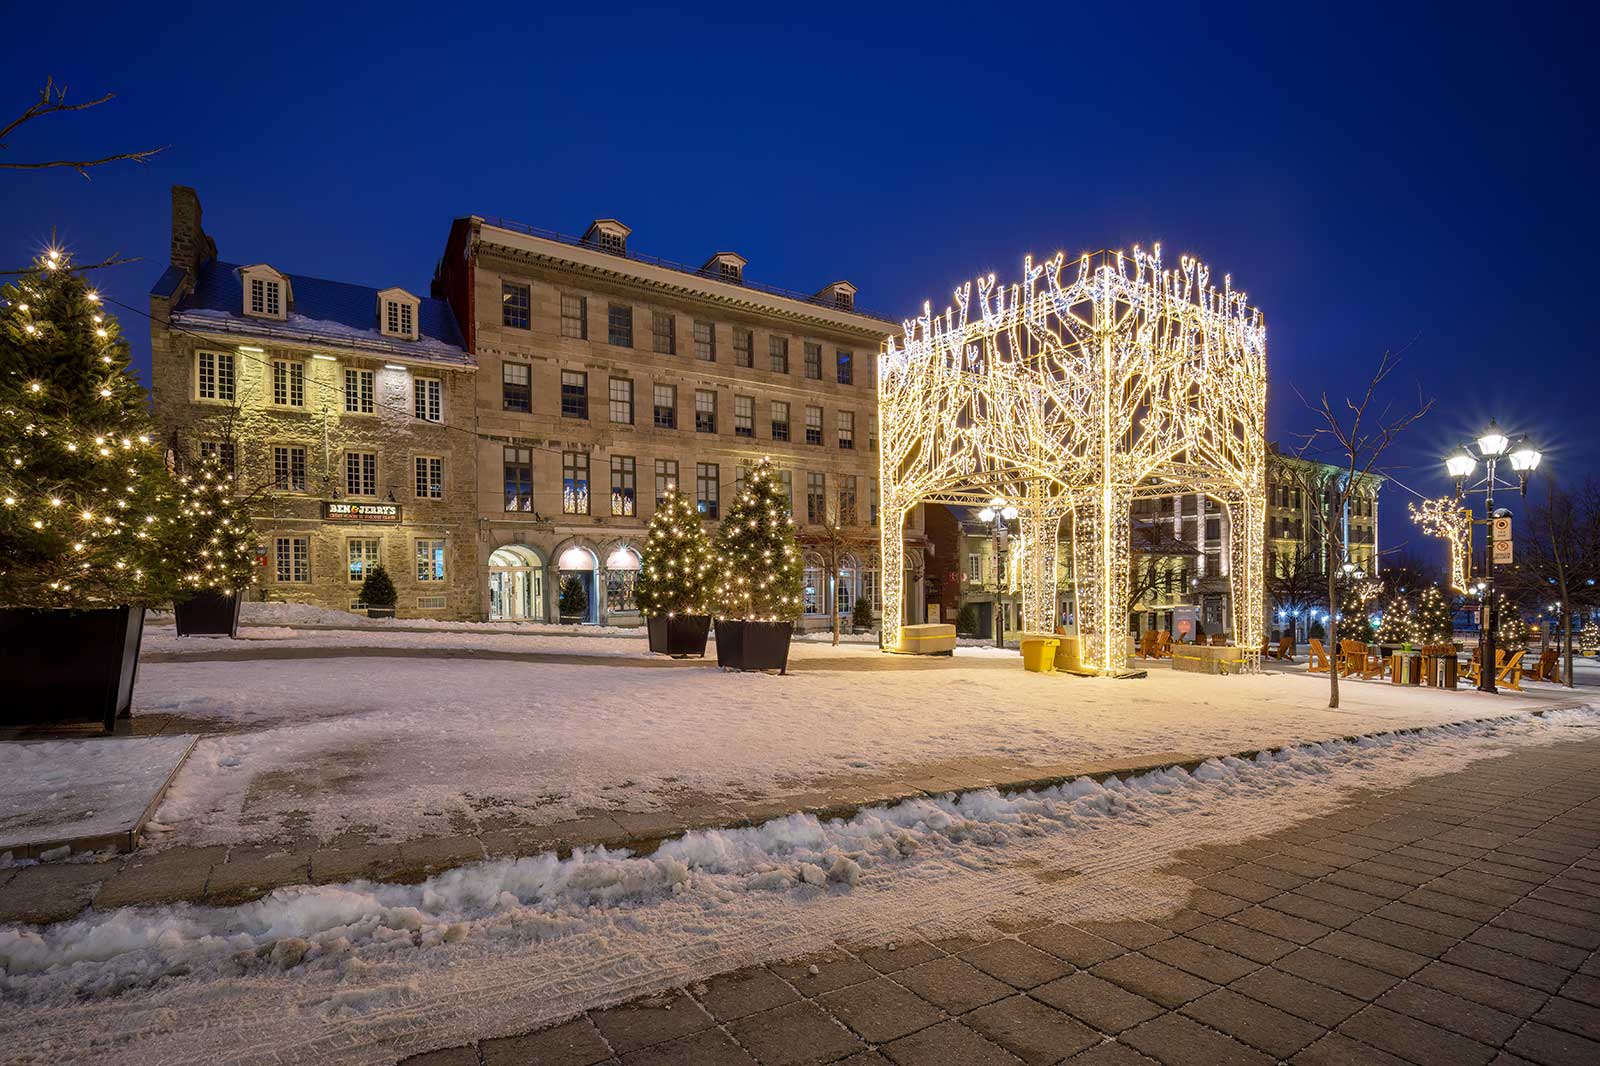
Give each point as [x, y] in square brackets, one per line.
[53, 101]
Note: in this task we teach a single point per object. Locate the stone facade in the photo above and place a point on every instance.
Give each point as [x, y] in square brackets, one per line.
[306, 456]
[603, 375]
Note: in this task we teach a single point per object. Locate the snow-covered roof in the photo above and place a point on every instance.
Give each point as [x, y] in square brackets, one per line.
[333, 313]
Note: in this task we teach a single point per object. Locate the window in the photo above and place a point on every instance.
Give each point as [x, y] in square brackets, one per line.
[613, 242]
[730, 270]
[872, 433]
[705, 411]
[623, 477]
[741, 474]
[706, 486]
[363, 555]
[813, 425]
[974, 568]
[430, 477]
[786, 483]
[666, 478]
[430, 560]
[780, 420]
[288, 383]
[814, 361]
[575, 316]
[429, 396]
[293, 555]
[358, 391]
[1213, 528]
[816, 498]
[574, 482]
[847, 499]
[872, 501]
[289, 467]
[400, 318]
[515, 305]
[214, 376]
[574, 394]
[811, 584]
[705, 342]
[516, 387]
[663, 333]
[744, 416]
[360, 474]
[619, 325]
[665, 400]
[620, 582]
[778, 352]
[847, 429]
[844, 300]
[744, 347]
[844, 363]
[519, 479]
[620, 395]
[221, 450]
[266, 297]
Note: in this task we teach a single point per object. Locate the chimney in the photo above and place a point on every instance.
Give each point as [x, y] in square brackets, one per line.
[190, 245]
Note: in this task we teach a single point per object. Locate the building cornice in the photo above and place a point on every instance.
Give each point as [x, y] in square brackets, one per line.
[233, 333]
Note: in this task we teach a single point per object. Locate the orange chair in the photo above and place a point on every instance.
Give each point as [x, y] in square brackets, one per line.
[1318, 663]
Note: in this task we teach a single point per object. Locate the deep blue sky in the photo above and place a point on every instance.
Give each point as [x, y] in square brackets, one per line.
[1373, 178]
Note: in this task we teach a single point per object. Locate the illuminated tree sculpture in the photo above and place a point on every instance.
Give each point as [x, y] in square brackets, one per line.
[1450, 522]
[1075, 396]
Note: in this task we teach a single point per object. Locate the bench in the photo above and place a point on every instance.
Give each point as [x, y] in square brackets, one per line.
[931, 639]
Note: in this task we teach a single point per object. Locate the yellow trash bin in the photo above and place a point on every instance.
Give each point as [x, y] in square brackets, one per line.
[1039, 654]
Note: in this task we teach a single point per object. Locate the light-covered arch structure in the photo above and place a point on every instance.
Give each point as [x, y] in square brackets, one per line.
[1075, 392]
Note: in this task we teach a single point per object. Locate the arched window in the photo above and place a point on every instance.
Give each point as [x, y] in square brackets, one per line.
[622, 571]
[516, 585]
[845, 594]
[813, 588]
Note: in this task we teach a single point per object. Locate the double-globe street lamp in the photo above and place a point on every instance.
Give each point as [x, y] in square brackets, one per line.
[997, 514]
[1493, 448]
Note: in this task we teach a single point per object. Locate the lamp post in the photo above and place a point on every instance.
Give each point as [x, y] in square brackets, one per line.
[1493, 447]
[997, 514]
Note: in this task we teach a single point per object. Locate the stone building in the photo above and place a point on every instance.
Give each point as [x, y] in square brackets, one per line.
[606, 375]
[347, 411]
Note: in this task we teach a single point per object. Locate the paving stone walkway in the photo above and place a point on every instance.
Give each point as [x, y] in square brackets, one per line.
[1454, 922]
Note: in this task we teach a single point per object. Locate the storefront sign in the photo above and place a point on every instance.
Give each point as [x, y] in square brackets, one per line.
[345, 511]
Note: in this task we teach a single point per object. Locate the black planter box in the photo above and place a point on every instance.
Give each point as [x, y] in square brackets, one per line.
[679, 636]
[69, 666]
[208, 613]
[380, 612]
[753, 645]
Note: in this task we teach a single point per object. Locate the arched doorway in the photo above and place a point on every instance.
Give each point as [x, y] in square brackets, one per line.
[516, 585]
[844, 596]
[580, 563]
[622, 572]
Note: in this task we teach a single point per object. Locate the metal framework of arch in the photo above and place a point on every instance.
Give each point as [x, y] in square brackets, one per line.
[1075, 396]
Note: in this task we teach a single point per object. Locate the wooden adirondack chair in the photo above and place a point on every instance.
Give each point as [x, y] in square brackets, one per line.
[1318, 663]
[1510, 675]
[1548, 667]
[1472, 674]
[1285, 650]
[1147, 644]
[1164, 644]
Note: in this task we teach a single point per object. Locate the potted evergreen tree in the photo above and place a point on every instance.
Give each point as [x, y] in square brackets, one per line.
[378, 592]
[573, 602]
[861, 615]
[759, 596]
[967, 620]
[213, 542]
[87, 507]
[675, 587]
[1433, 621]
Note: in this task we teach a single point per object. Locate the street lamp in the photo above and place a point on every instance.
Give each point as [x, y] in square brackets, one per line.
[996, 515]
[1493, 447]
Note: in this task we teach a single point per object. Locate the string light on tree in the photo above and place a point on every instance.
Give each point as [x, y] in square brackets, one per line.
[214, 540]
[758, 555]
[675, 571]
[1447, 519]
[1075, 396]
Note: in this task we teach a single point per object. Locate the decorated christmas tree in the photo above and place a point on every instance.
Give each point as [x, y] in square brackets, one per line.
[675, 573]
[87, 506]
[213, 539]
[758, 555]
[1589, 637]
[1513, 632]
[1432, 622]
[1395, 624]
[1356, 607]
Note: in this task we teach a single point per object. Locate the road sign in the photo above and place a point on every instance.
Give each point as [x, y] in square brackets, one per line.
[1502, 551]
[1502, 531]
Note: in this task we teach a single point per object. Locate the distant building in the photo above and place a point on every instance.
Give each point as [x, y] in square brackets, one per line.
[350, 408]
[606, 376]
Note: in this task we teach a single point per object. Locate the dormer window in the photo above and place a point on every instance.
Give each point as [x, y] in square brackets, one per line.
[266, 292]
[397, 314]
[726, 266]
[841, 295]
[608, 235]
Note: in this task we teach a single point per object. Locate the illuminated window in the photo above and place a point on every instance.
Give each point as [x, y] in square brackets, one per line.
[519, 479]
[623, 485]
[574, 482]
[430, 560]
[844, 364]
[362, 555]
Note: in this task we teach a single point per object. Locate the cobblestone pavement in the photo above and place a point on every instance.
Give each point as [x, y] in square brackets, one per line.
[1454, 922]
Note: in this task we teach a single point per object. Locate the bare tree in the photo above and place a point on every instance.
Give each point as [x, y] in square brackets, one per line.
[1295, 584]
[1351, 438]
[53, 101]
[833, 540]
[1559, 544]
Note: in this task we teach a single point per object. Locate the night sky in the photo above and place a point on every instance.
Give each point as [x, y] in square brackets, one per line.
[1374, 179]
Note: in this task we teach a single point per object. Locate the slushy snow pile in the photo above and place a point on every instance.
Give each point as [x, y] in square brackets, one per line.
[352, 972]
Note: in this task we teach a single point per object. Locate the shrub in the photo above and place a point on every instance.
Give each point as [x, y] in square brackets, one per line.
[861, 613]
[967, 620]
[574, 601]
[378, 588]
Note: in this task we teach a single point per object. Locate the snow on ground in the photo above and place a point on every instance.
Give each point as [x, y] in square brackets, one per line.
[363, 973]
[423, 746]
[53, 790]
